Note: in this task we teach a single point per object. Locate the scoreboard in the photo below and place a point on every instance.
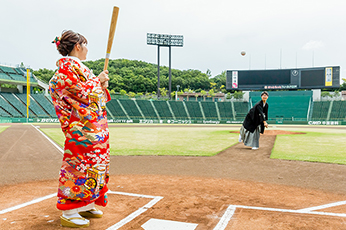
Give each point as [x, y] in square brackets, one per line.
[299, 78]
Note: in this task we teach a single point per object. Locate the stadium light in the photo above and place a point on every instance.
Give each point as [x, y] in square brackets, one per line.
[168, 41]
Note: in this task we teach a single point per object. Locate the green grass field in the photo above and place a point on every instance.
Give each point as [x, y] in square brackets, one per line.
[312, 146]
[163, 141]
[321, 145]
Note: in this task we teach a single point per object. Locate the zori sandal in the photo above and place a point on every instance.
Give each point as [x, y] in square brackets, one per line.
[74, 222]
[92, 213]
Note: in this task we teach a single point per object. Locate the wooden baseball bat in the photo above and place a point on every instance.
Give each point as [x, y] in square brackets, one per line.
[111, 35]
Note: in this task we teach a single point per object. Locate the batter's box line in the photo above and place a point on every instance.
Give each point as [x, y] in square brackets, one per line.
[133, 215]
[118, 225]
[227, 216]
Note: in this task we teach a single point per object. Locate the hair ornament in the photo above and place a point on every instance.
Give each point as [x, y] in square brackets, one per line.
[56, 41]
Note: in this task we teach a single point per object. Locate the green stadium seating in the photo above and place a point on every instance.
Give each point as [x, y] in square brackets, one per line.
[45, 104]
[194, 110]
[3, 112]
[5, 76]
[178, 110]
[287, 105]
[9, 108]
[17, 104]
[39, 112]
[225, 110]
[163, 109]
[338, 111]
[17, 77]
[116, 110]
[320, 110]
[8, 69]
[240, 109]
[131, 108]
[147, 109]
[209, 109]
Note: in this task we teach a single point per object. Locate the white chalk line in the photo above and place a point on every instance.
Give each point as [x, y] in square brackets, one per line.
[133, 215]
[324, 206]
[53, 143]
[118, 225]
[227, 216]
[27, 203]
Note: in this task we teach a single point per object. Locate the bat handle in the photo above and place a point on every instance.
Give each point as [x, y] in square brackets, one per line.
[106, 61]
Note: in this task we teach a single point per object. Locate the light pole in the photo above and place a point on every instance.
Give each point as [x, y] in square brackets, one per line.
[168, 41]
[176, 93]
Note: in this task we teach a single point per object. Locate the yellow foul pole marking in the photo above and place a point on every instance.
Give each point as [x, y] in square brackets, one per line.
[27, 92]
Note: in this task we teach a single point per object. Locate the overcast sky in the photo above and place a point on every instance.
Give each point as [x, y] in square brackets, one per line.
[273, 33]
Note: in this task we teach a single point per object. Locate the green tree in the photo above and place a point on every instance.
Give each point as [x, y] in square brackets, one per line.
[220, 79]
[325, 94]
[173, 94]
[212, 93]
[44, 74]
[238, 95]
[163, 92]
[203, 93]
[196, 96]
[343, 85]
[131, 94]
[122, 92]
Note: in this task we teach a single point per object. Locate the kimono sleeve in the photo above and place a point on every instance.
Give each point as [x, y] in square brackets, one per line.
[71, 85]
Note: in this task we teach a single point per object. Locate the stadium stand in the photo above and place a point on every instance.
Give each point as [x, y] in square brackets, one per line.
[194, 110]
[4, 113]
[240, 110]
[163, 109]
[178, 110]
[17, 77]
[147, 109]
[8, 70]
[5, 76]
[338, 111]
[225, 110]
[17, 104]
[116, 109]
[320, 110]
[131, 108]
[45, 104]
[287, 105]
[39, 112]
[8, 107]
[209, 109]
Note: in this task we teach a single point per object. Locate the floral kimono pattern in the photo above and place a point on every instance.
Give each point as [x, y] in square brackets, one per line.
[80, 104]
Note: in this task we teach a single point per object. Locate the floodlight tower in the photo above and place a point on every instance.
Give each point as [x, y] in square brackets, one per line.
[168, 41]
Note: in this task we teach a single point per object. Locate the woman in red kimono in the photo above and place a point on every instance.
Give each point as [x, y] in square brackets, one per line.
[79, 98]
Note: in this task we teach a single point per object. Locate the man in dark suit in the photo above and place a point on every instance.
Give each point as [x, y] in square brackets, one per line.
[255, 122]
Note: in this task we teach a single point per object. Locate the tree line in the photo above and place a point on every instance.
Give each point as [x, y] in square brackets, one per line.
[141, 77]
[133, 77]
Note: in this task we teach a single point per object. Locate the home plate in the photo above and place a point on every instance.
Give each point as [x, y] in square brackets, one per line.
[155, 224]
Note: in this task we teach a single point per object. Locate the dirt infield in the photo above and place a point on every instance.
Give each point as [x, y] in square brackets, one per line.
[193, 189]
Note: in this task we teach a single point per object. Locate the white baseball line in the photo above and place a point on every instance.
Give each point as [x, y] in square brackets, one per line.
[227, 216]
[324, 206]
[136, 213]
[27, 203]
[53, 143]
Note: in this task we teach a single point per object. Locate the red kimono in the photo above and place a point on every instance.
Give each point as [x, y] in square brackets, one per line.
[80, 104]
